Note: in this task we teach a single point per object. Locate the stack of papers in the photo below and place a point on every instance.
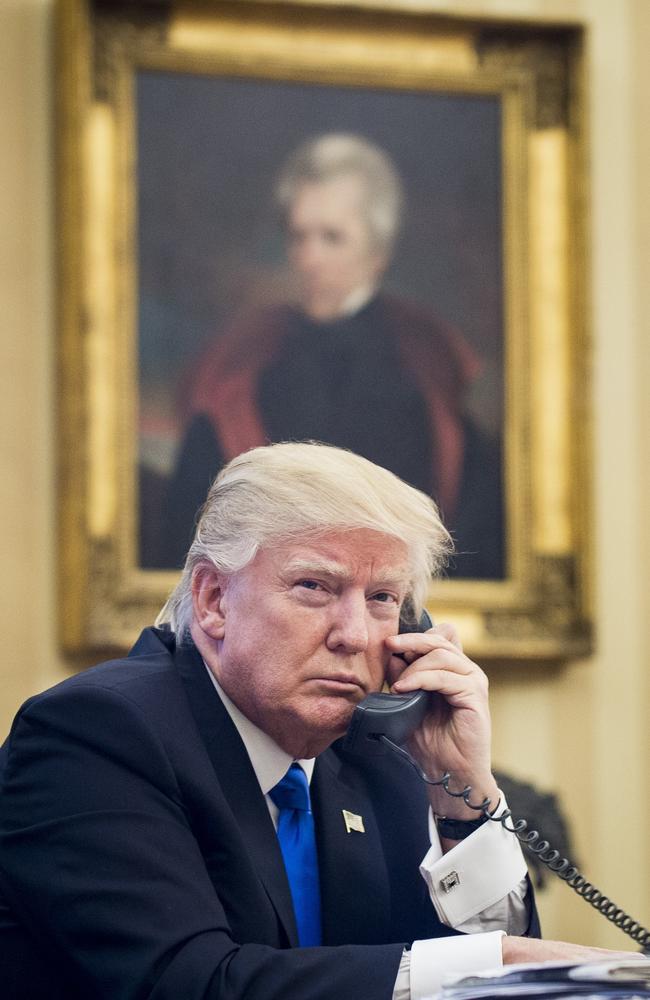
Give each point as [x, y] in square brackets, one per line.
[627, 980]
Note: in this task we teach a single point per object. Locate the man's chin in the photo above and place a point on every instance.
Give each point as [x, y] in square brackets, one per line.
[334, 717]
[319, 726]
[321, 310]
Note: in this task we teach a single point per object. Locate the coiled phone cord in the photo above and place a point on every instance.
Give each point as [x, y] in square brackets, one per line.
[533, 840]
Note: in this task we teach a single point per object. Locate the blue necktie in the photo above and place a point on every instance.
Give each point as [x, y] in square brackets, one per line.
[298, 846]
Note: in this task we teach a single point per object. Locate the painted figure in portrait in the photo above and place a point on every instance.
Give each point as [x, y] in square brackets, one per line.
[342, 360]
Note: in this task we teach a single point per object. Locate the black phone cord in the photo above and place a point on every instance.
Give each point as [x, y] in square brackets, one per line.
[533, 840]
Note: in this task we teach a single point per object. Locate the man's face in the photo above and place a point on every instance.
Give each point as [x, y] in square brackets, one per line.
[329, 244]
[304, 626]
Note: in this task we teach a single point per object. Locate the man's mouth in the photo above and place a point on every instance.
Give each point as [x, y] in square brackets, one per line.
[341, 683]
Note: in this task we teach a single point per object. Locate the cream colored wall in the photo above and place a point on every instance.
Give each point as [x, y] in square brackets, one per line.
[587, 724]
[580, 729]
[27, 347]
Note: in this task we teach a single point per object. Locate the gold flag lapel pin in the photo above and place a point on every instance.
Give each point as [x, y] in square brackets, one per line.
[353, 822]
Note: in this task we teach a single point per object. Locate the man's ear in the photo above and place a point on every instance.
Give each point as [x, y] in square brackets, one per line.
[208, 586]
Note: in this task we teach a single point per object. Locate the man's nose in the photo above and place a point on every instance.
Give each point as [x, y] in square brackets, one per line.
[308, 257]
[349, 629]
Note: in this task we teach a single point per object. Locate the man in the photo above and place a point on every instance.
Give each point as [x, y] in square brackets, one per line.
[345, 362]
[138, 848]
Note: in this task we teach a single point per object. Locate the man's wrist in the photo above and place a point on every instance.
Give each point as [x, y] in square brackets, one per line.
[457, 829]
[453, 807]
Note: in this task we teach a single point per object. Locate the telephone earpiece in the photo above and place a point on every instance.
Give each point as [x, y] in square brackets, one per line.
[393, 715]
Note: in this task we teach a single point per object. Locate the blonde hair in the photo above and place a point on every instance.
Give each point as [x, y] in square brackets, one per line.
[279, 492]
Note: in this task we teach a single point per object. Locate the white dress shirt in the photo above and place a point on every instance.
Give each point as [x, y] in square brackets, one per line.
[487, 900]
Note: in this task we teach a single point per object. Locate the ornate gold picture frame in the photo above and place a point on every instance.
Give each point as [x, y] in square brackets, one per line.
[175, 122]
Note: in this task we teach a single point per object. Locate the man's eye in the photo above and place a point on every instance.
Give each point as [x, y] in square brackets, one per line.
[333, 237]
[309, 584]
[384, 597]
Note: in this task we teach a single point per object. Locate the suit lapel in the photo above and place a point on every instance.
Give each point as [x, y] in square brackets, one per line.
[354, 880]
[239, 783]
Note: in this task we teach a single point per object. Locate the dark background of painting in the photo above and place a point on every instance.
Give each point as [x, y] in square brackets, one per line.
[208, 152]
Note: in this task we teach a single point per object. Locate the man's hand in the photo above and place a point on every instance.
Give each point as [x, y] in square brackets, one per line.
[523, 949]
[456, 734]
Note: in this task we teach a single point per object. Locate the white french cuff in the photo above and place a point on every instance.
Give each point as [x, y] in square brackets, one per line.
[432, 960]
[478, 872]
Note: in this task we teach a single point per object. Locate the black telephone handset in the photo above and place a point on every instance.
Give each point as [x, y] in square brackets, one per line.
[383, 722]
[394, 716]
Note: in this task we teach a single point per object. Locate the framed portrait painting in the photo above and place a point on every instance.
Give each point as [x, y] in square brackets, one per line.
[297, 222]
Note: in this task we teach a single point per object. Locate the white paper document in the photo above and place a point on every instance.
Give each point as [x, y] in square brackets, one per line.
[627, 980]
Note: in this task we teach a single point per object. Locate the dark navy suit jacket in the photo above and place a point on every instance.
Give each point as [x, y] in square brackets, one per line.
[138, 857]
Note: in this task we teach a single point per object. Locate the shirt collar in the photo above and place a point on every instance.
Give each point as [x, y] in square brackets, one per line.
[270, 762]
[357, 299]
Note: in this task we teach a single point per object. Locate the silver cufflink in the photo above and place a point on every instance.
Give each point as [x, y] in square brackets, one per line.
[450, 881]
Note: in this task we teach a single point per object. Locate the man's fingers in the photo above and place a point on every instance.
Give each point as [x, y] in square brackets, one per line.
[449, 632]
[434, 662]
[432, 656]
[414, 644]
[448, 683]
[440, 659]
[401, 669]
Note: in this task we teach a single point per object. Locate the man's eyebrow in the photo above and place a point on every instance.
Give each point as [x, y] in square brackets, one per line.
[332, 569]
[311, 567]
